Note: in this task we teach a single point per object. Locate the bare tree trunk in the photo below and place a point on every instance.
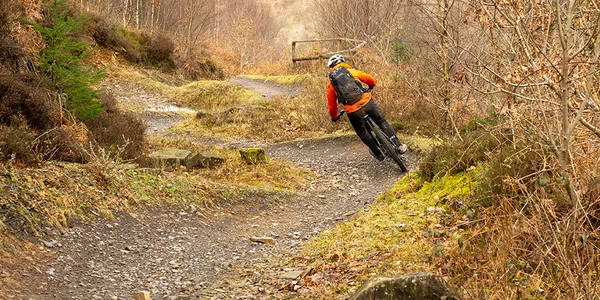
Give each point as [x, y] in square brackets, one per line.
[444, 49]
[152, 7]
[564, 156]
[125, 10]
[367, 15]
[137, 14]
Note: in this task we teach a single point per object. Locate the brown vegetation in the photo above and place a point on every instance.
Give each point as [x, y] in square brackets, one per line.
[29, 100]
[115, 129]
[515, 86]
[228, 29]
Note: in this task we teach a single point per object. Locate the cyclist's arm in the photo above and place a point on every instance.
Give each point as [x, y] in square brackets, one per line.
[332, 102]
[366, 78]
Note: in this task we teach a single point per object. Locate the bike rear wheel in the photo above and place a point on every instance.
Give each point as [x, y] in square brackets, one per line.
[388, 148]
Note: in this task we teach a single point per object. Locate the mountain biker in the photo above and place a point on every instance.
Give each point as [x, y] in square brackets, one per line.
[346, 87]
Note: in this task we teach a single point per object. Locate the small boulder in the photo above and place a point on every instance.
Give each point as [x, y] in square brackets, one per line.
[143, 295]
[292, 275]
[425, 286]
[254, 156]
[170, 157]
[263, 240]
[205, 160]
[201, 114]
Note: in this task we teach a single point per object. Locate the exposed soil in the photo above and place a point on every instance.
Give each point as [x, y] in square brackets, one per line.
[178, 253]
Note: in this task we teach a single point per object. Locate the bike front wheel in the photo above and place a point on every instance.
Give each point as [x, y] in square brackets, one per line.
[388, 148]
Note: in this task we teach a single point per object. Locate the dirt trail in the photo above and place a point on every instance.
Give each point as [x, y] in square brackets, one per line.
[176, 254]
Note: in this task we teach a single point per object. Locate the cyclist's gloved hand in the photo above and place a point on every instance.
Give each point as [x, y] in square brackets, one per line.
[339, 116]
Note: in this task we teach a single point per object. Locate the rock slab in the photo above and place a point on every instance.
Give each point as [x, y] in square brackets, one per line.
[170, 157]
[205, 160]
[254, 156]
[263, 240]
[423, 286]
[293, 275]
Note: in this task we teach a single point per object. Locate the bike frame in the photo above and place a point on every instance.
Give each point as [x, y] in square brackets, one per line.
[370, 124]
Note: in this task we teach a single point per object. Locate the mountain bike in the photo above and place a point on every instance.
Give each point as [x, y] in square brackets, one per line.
[385, 144]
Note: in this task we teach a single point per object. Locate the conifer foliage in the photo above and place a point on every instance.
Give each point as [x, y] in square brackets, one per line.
[62, 61]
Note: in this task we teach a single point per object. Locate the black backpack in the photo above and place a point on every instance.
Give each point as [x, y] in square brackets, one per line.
[348, 89]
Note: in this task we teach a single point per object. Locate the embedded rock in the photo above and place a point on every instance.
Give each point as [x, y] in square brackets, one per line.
[205, 160]
[170, 157]
[423, 286]
[254, 156]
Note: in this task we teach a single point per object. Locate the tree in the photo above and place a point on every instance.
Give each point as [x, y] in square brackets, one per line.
[62, 60]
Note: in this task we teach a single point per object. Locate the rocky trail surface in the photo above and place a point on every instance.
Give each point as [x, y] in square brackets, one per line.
[179, 253]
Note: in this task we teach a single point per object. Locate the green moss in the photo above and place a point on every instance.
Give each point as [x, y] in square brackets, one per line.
[253, 156]
[460, 185]
[134, 39]
[284, 79]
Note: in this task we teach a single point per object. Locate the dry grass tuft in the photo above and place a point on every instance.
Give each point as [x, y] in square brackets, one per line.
[297, 79]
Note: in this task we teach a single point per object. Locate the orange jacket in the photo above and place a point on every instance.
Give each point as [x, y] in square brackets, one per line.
[332, 96]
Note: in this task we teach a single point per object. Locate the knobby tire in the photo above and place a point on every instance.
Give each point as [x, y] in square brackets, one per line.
[388, 147]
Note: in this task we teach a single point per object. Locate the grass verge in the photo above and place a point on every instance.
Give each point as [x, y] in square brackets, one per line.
[275, 121]
[200, 95]
[282, 79]
[54, 192]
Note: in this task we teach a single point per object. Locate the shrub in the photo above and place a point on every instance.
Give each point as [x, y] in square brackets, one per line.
[159, 50]
[8, 13]
[152, 49]
[457, 155]
[62, 60]
[64, 143]
[10, 54]
[23, 98]
[194, 68]
[16, 139]
[111, 36]
[115, 129]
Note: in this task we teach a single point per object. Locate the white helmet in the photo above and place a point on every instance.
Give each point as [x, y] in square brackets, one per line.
[335, 59]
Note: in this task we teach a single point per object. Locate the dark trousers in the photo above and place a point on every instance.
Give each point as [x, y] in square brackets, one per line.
[358, 122]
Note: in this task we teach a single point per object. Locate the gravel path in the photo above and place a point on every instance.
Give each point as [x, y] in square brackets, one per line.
[178, 253]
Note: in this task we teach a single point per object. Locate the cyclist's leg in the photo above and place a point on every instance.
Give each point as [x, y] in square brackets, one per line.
[358, 123]
[375, 112]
